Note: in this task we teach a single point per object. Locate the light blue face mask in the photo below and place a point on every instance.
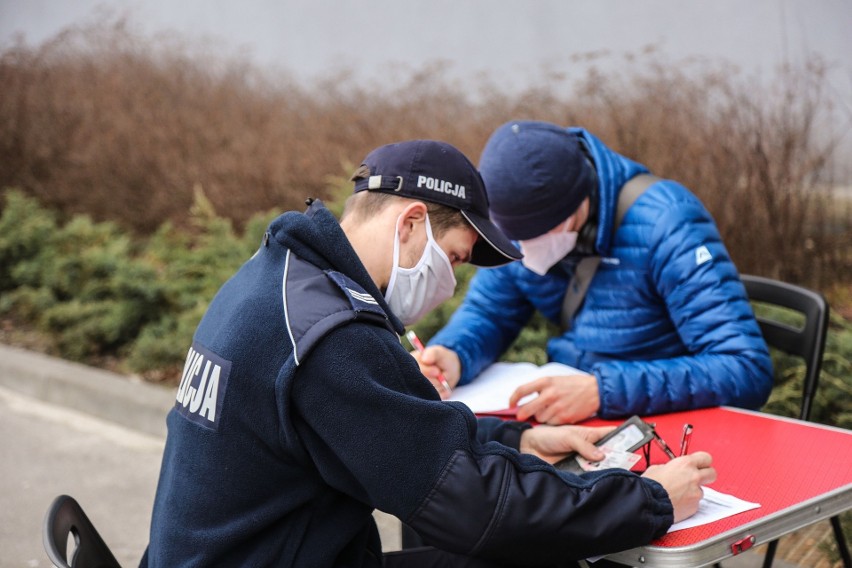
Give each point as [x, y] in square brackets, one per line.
[413, 292]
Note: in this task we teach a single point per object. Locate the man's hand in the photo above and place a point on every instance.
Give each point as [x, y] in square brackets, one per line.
[437, 359]
[682, 478]
[560, 400]
[552, 443]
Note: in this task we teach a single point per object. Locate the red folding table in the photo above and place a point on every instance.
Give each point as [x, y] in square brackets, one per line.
[799, 472]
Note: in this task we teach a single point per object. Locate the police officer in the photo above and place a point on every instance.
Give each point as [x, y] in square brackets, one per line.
[313, 414]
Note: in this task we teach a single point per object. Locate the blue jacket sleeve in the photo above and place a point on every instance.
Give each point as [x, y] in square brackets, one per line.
[728, 361]
[373, 428]
[487, 322]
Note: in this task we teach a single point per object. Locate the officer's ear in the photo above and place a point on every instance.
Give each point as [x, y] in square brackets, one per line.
[410, 219]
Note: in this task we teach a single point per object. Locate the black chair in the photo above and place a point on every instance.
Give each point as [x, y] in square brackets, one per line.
[66, 518]
[808, 342]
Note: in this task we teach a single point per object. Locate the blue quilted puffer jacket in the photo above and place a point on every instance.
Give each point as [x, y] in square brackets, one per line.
[665, 325]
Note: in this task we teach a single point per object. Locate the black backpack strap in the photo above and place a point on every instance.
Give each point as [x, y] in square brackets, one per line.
[587, 266]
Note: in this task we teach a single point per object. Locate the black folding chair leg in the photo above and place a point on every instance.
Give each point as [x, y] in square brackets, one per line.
[770, 554]
[842, 547]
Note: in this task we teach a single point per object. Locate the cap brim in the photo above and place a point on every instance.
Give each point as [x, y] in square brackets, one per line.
[493, 248]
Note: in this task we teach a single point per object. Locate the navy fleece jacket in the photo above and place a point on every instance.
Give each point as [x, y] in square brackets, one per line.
[300, 412]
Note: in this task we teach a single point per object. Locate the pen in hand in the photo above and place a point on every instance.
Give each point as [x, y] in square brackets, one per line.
[684, 441]
[418, 345]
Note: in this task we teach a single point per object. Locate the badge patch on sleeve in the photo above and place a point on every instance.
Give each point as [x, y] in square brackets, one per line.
[702, 255]
[202, 387]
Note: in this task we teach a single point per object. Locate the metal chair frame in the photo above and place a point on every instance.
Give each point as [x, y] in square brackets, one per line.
[65, 517]
[807, 343]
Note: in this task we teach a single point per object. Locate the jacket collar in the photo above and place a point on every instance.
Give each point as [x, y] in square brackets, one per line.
[317, 237]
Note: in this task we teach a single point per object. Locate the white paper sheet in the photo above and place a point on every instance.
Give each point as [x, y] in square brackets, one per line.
[714, 506]
[490, 391]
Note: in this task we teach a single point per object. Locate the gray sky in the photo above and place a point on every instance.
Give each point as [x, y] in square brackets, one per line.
[511, 40]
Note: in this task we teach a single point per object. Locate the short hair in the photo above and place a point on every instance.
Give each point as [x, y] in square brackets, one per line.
[365, 204]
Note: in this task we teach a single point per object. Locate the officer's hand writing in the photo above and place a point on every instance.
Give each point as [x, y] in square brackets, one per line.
[682, 478]
[437, 359]
[552, 443]
[560, 400]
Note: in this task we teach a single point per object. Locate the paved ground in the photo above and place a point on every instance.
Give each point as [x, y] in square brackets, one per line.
[48, 450]
[109, 465]
[99, 437]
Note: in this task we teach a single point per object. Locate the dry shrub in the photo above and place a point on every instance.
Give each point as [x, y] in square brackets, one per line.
[104, 121]
[100, 121]
[759, 157]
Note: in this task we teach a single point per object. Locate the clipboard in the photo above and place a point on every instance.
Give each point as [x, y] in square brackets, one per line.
[629, 436]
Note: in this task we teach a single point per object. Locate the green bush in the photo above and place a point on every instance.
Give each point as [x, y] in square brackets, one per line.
[79, 283]
[96, 292]
[24, 229]
[831, 404]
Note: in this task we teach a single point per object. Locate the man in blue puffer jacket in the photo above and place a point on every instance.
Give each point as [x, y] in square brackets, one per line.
[665, 324]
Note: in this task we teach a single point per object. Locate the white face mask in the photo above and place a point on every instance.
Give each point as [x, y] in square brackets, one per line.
[541, 253]
[412, 292]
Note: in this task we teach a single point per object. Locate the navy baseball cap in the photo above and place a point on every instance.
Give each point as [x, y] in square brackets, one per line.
[536, 174]
[429, 170]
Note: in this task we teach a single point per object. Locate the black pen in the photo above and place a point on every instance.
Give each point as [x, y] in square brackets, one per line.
[664, 446]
